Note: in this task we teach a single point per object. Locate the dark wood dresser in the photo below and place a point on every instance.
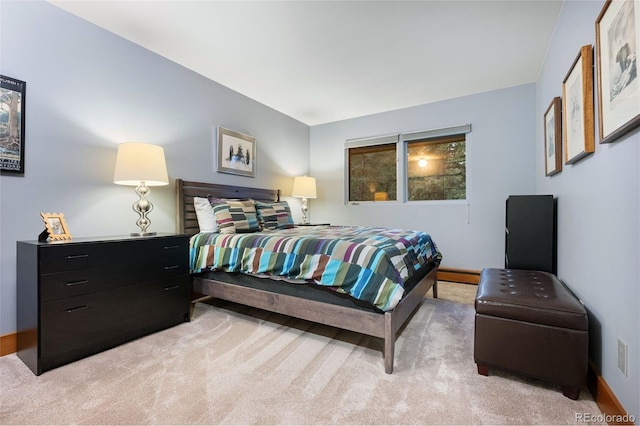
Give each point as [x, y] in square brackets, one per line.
[76, 298]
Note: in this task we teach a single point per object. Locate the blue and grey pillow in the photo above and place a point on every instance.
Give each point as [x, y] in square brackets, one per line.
[235, 216]
[276, 215]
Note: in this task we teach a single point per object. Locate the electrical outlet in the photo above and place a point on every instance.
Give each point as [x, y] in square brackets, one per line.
[622, 356]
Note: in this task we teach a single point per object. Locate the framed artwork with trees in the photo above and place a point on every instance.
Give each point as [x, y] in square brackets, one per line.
[236, 153]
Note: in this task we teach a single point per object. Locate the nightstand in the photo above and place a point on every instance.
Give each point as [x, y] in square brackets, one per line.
[83, 296]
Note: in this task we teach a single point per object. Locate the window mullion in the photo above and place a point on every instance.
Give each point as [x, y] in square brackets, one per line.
[402, 180]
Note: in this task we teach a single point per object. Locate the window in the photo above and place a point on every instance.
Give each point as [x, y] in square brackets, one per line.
[436, 169]
[373, 173]
[433, 166]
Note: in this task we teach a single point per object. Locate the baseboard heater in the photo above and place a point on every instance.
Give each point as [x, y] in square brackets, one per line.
[459, 275]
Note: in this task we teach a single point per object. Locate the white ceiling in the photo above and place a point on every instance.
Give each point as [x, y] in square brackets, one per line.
[323, 61]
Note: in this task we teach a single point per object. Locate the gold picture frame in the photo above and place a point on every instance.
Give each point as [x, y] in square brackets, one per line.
[617, 44]
[56, 226]
[577, 108]
[553, 138]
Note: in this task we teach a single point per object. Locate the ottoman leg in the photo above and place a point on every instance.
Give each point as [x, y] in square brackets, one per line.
[571, 392]
[483, 369]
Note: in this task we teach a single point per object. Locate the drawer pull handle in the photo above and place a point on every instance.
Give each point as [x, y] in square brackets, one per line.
[77, 308]
[70, 283]
[76, 256]
[173, 287]
[168, 268]
[171, 247]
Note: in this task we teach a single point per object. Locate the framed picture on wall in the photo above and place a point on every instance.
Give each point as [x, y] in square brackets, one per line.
[577, 108]
[12, 118]
[553, 137]
[617, 43]
[236, 153]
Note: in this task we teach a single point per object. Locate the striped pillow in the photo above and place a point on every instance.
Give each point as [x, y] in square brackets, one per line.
[236, 216]
[274, 215]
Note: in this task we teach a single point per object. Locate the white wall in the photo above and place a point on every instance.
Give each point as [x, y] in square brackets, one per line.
[87, 91]
[500, 153]
[598, 217]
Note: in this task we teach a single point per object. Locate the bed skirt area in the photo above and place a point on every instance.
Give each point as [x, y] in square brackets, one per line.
[319, 305]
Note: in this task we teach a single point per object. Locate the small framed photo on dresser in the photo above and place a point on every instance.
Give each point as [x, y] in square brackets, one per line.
[553, 137]
[56, 226]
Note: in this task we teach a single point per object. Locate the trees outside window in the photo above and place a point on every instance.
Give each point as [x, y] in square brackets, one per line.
[432, 166]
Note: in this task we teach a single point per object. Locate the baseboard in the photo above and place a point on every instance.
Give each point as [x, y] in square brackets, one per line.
[8, 344]
[613, 411]
[459, 275]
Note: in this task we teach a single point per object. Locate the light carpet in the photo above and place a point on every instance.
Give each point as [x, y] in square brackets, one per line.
[236, 365]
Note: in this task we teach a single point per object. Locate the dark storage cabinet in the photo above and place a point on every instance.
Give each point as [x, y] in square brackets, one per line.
[79, 297]
[530, 233]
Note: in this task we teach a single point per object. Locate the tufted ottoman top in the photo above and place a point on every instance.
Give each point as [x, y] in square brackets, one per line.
[532, 296]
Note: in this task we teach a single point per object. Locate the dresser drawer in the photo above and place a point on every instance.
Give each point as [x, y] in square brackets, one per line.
[77, 282]
[72, 256]
[79, 326]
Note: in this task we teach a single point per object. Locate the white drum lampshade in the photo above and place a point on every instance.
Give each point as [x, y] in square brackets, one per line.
[304, 187]
[141, 165]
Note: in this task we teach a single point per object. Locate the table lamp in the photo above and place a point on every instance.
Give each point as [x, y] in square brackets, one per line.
[141, 165]
[304, 187]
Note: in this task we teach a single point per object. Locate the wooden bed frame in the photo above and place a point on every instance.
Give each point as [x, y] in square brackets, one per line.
[384, 325]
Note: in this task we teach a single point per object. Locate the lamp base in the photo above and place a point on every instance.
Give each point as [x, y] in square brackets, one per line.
[143, 207]
[305, 210]
[143, 234]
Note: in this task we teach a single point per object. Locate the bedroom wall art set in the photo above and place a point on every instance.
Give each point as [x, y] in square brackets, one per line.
[569, 121]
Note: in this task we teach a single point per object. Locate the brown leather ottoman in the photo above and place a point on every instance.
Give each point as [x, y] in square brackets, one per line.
[529, 322]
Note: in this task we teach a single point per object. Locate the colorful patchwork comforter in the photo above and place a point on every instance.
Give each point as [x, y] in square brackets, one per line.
[370, 264]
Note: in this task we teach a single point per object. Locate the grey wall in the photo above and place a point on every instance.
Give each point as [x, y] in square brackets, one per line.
[87, 91]
[500, 154]
[598, 216]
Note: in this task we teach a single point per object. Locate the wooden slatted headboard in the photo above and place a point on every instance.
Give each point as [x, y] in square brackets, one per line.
[186, 221]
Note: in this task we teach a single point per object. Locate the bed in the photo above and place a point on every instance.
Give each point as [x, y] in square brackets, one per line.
[306, 301]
